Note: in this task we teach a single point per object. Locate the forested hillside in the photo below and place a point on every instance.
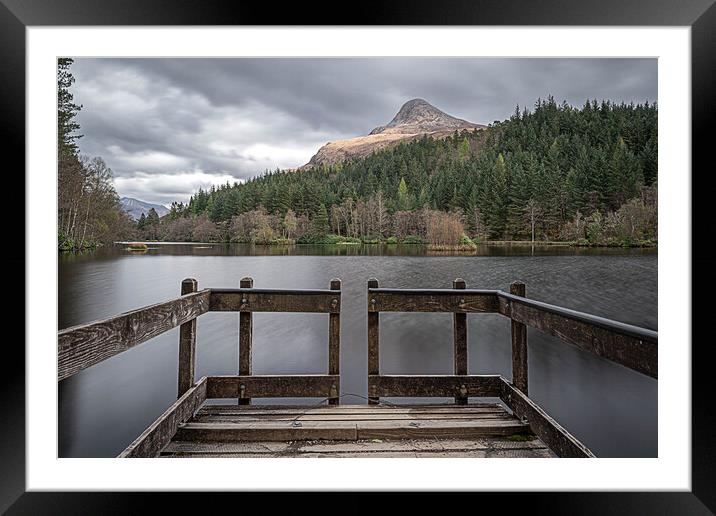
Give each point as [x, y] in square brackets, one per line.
[555, 172]
[88, 211]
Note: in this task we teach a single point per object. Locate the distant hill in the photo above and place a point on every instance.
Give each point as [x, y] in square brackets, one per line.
[134, 207]
[558, 170]
[415, 119]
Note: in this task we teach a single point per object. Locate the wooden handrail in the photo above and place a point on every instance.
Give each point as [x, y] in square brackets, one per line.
[630, 346]
[275, 300]
[430, 386]
[80, 347]
[625, 344]
[83, 346]
[274, 386]
[432, 300]
[593, 320]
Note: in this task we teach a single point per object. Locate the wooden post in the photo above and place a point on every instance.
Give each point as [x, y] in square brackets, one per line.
[187, 345]
[519, 344]
[245, 330]
[334, 341]
[373, 340]
[460, 340]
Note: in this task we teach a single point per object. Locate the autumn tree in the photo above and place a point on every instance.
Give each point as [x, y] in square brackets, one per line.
[88, 212]
[290, 223]
[403, 202]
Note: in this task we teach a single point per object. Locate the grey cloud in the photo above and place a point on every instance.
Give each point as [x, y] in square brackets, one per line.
[199, 119]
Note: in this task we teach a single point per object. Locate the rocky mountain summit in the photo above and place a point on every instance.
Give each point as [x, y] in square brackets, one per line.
[415, 118]
[418, 117]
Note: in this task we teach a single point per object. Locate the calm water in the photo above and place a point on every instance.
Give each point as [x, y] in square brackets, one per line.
[611, 409]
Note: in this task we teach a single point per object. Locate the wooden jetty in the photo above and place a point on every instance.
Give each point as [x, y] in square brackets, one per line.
[199, 425]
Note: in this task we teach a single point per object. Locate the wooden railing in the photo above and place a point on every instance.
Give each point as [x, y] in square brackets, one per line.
[247, 300]
[82, 346]
[630, 346]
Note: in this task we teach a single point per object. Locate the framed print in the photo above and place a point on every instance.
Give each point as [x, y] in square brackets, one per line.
[424, 246]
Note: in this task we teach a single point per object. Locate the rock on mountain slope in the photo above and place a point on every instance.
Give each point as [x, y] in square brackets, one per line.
[135, 207]
[415, 119]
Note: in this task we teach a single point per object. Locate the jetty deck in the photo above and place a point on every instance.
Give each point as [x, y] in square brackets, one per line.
[476, 430]
[490, 415]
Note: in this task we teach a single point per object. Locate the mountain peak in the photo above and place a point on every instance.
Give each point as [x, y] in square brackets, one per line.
[415, 118]
[418, 116]
[136, 207]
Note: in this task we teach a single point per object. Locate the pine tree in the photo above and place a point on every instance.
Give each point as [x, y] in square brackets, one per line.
[464, 149]
[403, 202]
[283, 199]
[498, 198]
[423, 197]
[319, 224]
[67, 110]
[152, 217]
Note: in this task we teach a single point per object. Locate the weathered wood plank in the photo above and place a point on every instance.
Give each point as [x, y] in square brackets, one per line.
[187, 345]
[334, 340]
[472, 454]
[479, 443]
[245, 340]
[460, 341]
[385, 416]
[445, 429]
[433, 386]
[432, 300]
[373, 337]
[630, 346]
[358, 410]
[399, 408]
[282, 448]
[559, 440]
[266, 431]
[273, 386]
[270, 300]
[80, 347]
[160, 433]
[347, 430]
[519, 344]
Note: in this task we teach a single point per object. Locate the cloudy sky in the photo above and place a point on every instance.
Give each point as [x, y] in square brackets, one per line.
[169, 126]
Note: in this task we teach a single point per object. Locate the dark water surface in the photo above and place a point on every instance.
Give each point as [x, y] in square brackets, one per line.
[611, 409]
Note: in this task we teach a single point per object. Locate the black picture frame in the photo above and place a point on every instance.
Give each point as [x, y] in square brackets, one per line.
[700, 15]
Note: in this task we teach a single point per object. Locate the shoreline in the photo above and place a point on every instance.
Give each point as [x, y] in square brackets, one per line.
[458, 247]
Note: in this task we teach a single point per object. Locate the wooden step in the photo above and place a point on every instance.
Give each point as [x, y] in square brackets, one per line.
[241, 418]
[364, 445]
[484, 447]
[540, 453]
[267, 431]
[442, 428]
[348, 430]
[351, 409]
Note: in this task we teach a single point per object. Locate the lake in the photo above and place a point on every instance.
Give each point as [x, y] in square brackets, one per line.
[611, 409]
